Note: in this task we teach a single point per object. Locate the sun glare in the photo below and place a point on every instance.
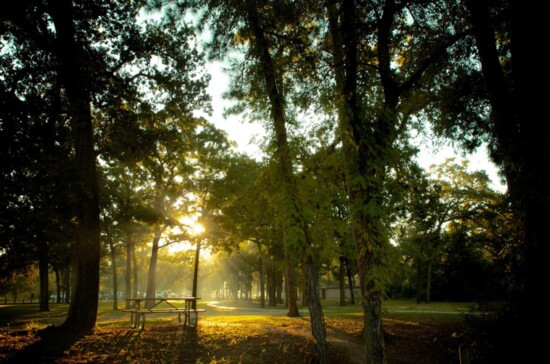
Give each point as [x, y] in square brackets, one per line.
[197, 229]
[191, 224]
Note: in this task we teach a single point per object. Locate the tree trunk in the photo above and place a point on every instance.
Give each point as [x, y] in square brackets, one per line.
[292, 299]
[57, 285]
[318, 325]
[152, 275]
[292, 205]
[82, 313]
[523, 150]
[115, 280]
[262, 281]
[357, 148]
[279, 286]
[135, 270]
[350, 282]
[43, 273]
[196, 273]
[271, 297]
[128, 272]
[342, 281]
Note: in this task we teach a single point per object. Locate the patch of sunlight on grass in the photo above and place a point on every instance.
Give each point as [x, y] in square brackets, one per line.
[239, 318]
[35, 325]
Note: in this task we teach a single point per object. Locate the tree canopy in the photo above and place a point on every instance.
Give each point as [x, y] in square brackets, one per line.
[107, 143]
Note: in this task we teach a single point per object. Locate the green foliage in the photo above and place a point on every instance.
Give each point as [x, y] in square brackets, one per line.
[450, 229]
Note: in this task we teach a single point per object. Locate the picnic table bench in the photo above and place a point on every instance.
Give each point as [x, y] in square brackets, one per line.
[164, 305]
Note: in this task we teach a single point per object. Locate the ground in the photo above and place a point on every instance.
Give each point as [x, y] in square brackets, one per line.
[235, 339]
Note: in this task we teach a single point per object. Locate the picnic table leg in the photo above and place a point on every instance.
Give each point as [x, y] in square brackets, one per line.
[132, 319]
[142, 321]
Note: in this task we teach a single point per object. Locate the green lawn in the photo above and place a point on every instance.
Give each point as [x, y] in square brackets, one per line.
[28, 314]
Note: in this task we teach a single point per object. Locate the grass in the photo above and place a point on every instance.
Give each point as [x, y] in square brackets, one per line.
[21, 314]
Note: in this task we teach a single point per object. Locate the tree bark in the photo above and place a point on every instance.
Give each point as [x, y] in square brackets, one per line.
[196, 273]
[82, 313]
[152, 275]
[294, 210]
[358, 147]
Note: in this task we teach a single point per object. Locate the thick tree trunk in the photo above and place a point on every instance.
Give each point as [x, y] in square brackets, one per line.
[524, 152]
[357, 148]
[82, 311]
[152, 275]
[292, 299]
[292, 205]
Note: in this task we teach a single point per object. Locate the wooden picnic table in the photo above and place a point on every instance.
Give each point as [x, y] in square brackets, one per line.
[179, 305]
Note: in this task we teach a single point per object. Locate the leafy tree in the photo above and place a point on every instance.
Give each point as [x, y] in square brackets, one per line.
[499, 79]
[445, 214]
[96, 53]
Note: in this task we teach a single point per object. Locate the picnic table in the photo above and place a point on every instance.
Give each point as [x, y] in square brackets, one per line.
[178, 305]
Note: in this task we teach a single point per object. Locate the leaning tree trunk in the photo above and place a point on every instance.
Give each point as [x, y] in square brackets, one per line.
[82, 313]
[292, 204]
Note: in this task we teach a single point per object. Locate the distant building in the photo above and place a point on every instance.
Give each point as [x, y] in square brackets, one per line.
[332, 292]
